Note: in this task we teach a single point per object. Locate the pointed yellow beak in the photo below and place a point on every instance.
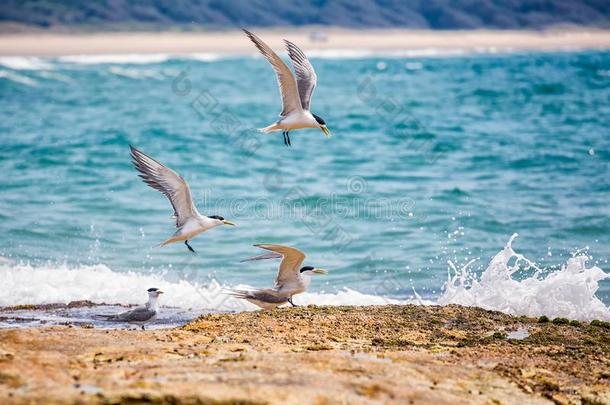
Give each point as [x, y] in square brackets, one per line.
[160, 292]
[320, 271]
[326, 131]
[227, 222]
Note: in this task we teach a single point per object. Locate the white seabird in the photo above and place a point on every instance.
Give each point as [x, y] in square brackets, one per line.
[291, 278]
[189, 222]
[296, 93]
[140, 315]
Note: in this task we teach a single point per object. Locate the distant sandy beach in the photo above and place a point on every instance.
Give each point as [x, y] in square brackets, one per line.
[233, 42]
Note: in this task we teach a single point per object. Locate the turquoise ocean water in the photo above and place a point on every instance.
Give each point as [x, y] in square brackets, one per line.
[433, 159]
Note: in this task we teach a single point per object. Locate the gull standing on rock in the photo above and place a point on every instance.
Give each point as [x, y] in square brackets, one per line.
[296, 93]
[140, 315]
[291, 278]
[189, 221]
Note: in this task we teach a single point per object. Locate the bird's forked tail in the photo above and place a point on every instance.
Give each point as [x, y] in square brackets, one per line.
[100, 317]
[271, 128]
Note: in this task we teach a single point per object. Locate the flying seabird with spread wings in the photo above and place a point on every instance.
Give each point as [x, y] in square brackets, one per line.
[189, 222]
[292, 278]
[296, 92]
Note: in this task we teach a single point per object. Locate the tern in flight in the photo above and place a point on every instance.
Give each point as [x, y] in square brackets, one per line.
[296, 92]
[140, 315]
[189, 222]
[291, 278]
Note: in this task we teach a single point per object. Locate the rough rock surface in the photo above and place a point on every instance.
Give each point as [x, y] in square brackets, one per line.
[318, 355]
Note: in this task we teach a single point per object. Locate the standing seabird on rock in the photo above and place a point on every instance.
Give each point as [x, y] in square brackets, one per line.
[140, 315]
[291, 278]
[296, 93]
[189, 221]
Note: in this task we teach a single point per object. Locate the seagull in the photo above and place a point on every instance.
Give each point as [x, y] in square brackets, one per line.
[140, 315]
[291, 278]
[189, 221]
[296, 93]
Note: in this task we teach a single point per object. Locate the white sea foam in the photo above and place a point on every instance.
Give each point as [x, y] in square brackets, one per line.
[17, 78]
[338, 53]
[568, 292]
[433, 52]
[24, 63]
[398, 53]
[348, 297]
[134, 73]
[54, 76]
[205, 57]
[37, 63]
[110, 58]
[139, 59]
[25, 284]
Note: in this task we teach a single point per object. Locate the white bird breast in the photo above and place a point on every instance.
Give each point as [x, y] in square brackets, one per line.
[297, 120]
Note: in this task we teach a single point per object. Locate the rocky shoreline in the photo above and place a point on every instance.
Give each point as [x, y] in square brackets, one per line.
[403, 354]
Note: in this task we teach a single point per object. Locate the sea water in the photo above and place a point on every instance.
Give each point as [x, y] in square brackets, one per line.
[436, 160]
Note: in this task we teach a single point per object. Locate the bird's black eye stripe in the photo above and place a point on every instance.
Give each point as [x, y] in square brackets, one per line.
[306, 268]
[216, 217]
[319, 119]
[153, 289]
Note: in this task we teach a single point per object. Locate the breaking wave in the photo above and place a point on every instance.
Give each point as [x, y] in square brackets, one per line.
[17, 78]
[127, 58]
[568, 292]
[134, 73]
[48, 63]
[24, 284]
[137, 59]
[24, 63]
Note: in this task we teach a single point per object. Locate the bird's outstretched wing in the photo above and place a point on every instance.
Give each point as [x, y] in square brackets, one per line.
[168, 182]
[285, 79]
[306, 75]
[264, 256]
[291, 262]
